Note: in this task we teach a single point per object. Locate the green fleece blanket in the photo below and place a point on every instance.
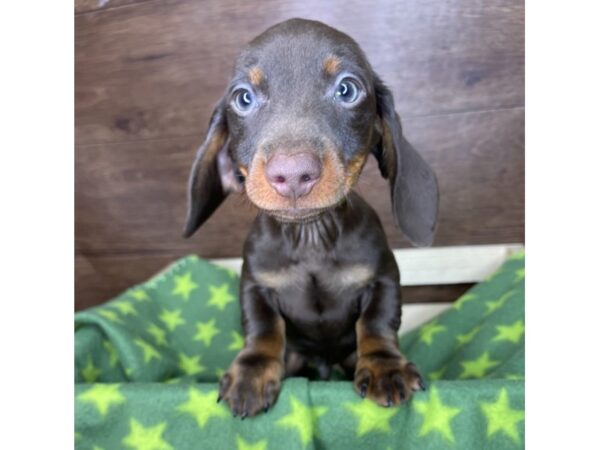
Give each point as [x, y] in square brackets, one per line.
[147, 365]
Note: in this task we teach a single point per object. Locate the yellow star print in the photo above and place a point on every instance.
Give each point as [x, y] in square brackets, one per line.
[203, 406]
[437, 375]
[220, 296]
[467, 337]
[514, 376]
[464, 299]
[125, 308]
[206, 331]
[172, 319]
[190, 364]
[150, 438]
[184, 285]
[497, 304]
[244, 445]
[510, 333]
[427, 332]
[302, 418]
[140, 295]
[90, 372]
[110, 315]
[149, 351]
[158, 334]
[371, 417]
[102, 396]
[237, 342]
[502, 418]
[478, 367]
[112, 353]
[519, 275]
[436, 416]
[230, 272]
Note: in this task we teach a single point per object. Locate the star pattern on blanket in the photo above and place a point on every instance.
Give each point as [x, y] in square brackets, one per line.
[511, 333]
[237, 342]
[113, 358]
[519, 275]
[125, 308]
[140, 295]
[464, 339]
[371, 417]
[437, 417]
[203, 406]
[110, 315]
[190, 364]
[477, 368]
[90, 372]
[302, 419]
[501, 417]
[245, 445]
[206, 331]
[497, 304]
[102, 396]
[220, 296]
[159, 335]
[171, 318]
[184, 285]
[464, 299]
[146, 438]
[438, 374]
[428, 331]
[149, 351]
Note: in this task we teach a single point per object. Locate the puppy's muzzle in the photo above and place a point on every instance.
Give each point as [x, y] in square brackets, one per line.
[293, 176]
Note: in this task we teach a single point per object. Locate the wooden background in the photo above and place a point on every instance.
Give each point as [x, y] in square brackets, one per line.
[148, 73]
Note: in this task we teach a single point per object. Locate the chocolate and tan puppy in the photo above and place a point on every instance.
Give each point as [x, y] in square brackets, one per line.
[320, 285]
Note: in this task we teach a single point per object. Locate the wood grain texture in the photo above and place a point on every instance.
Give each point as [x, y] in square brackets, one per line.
[148, 73]
[87, 6]
[155, 70]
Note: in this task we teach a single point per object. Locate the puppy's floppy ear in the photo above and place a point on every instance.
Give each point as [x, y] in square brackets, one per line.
[212, 176]
[412, 182]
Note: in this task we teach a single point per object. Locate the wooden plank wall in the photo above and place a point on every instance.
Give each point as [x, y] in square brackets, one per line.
[148, 73]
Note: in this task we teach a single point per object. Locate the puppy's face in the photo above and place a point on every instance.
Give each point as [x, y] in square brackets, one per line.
[293, 130]
[301, 112]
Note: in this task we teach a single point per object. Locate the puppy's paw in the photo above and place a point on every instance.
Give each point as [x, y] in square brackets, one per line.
[387, 380]
[251, 385]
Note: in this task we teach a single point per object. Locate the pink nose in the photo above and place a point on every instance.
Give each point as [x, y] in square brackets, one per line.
[293, 175]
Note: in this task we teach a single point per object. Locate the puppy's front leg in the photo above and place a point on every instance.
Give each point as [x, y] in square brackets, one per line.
[382, 373]
[253, 380]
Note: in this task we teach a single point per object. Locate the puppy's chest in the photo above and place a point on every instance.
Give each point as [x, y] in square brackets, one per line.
[317, 292]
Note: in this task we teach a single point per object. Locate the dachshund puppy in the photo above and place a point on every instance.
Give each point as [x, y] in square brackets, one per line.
[319, 286]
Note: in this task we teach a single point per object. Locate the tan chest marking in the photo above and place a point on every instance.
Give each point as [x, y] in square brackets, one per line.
[278, 279]
[354, 275]
[349, 276]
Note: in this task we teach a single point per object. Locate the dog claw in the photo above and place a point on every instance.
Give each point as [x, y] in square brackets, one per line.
[363, 390]
[244, 415]
[219, 398]
[422, 385]
[266, 408]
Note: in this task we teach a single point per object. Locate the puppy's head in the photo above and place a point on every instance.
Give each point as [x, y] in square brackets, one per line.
[294, 129]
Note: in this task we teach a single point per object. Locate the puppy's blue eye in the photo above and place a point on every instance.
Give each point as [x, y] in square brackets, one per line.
[347, 91]
[243, 100]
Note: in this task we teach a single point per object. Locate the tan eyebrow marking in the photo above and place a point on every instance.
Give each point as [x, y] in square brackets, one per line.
[332, 64]
[256, 76]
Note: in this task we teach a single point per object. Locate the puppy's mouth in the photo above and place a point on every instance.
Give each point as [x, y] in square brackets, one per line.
[300, 186]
